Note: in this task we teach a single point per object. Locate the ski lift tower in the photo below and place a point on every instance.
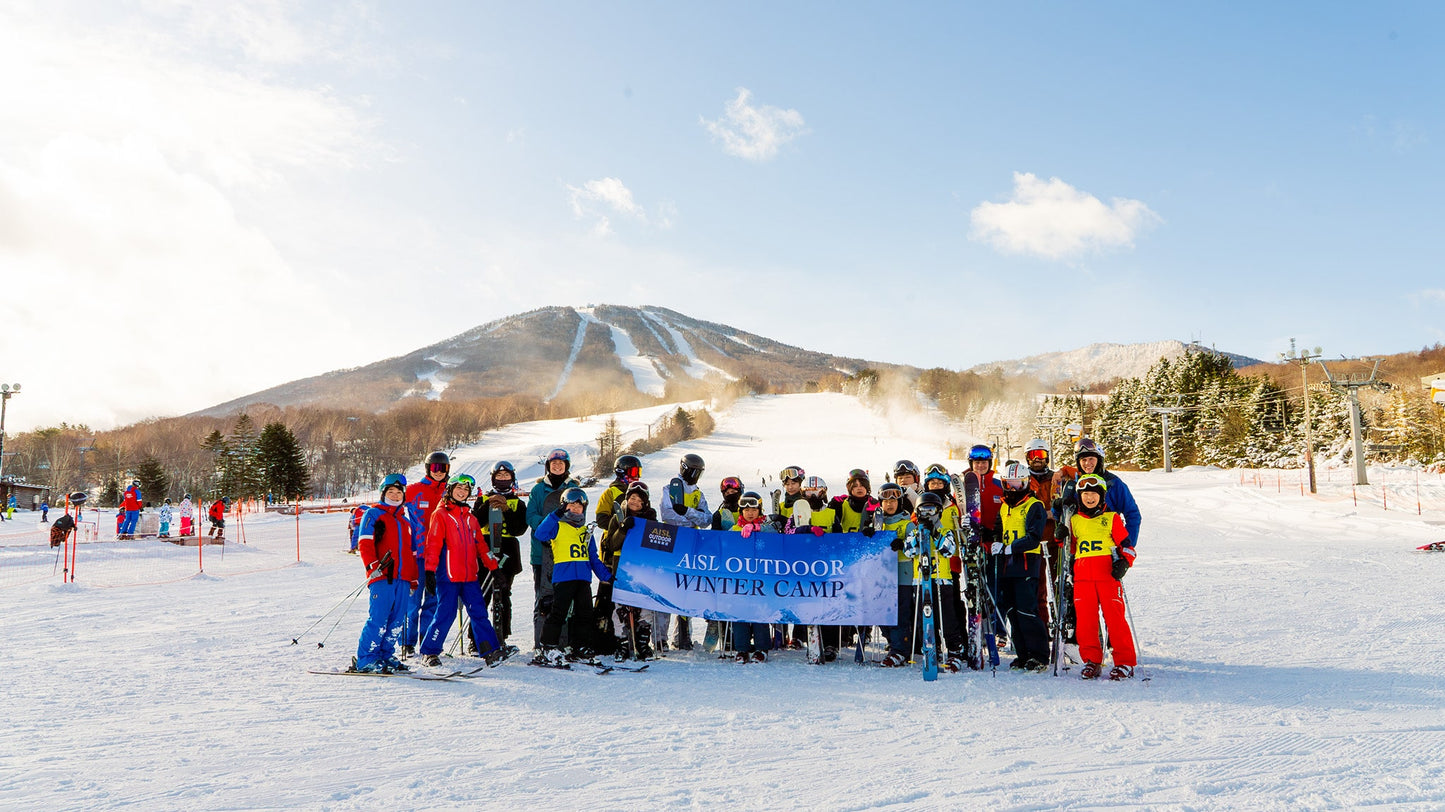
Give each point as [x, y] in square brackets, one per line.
[1351, 384]
[1164, 412]
[1302, 358]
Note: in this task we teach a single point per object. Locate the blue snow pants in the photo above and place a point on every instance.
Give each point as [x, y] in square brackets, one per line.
[128, 526]
[444, 611]
[384, 618]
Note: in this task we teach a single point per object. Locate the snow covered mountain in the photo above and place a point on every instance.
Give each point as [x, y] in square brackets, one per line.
[1098, 363]
[565, 352]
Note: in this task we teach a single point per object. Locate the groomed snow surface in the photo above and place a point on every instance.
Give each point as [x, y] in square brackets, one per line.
[1293, 648]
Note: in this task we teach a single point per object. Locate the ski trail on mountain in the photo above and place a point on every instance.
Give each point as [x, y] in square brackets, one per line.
[571, 357]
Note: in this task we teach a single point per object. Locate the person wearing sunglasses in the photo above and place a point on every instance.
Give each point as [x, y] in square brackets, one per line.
[752, 641]
[423, 496]
[545, 497]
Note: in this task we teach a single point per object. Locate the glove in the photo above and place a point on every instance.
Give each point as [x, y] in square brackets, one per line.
[996, 548]
[489, 562]
[628, 522]
[1121, 566]
[431, 581]
[897, 544]
[560, 512]
[497, 501]
[747, 531]
[544, 606]
[867, 531]
[956, 562]
[818, 531]
[679, 508]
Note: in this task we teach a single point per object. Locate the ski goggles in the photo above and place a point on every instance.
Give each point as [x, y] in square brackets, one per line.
[464, 479]
[438, 468]
[639, 487]
[1037, 454]
[890, 491]
[1093, 483]
[936, 469]
[792, 473]
[631, 473]
[980, 452]
[750, 502]
[731, 483]
[1015, 484]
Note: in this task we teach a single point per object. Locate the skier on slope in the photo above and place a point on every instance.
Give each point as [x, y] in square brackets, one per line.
[574, 561]
[752, 641]
[504, 497]
[891, 516]
[187, 511]
[455, 557]
[1017, 563]
[166, 515]
[545, 497]
[217, 516]
[132, 504]
[690, 511]
[630, 629]
[1101, 558]
[385, 542]
[423, 497]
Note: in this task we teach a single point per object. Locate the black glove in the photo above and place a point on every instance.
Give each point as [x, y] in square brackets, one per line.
[628, 522]
[867, 531]
[897, 543]
[1121, 566]
[560, 512]
[431, 581]
[679, 508]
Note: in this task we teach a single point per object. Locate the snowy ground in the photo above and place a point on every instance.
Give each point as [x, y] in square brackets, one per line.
[1293, 647]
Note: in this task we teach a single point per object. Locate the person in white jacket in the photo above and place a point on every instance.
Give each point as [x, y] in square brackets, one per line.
[686, 508]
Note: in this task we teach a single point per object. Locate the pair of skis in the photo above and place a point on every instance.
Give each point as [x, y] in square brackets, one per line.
[982, 640]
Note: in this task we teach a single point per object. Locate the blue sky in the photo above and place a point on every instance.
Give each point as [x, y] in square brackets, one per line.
[228, 196]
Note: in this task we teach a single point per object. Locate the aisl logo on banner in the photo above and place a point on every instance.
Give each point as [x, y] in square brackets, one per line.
[841, 579]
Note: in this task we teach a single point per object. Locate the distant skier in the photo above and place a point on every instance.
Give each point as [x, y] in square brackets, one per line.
[1101, 558]
[166, 514]
[574, 561]
[44, 511]
[545, 497]
[217, 516]
[187, 511]
[132, 504]
[385, 541]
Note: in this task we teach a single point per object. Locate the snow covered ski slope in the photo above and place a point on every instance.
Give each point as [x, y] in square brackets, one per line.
[1294, 648]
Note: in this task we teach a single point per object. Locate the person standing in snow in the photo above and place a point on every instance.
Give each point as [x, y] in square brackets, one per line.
[910, 479]
[818, 519]
[792, 478]
[631, 630]
[726, 514]
[423, 498]
[165, 516]
[132, 505]
[217, 517]
[353, 524]
[690, 511]
[574, 562]
[44, 511]
[456, 554]
[1089, 459]
[752, 641]
[187, 511]
[947, 530]
[851, 509]
[890, 516]
[546, 497]
[1018, 564]
[503, 497]
[1101, 559]
[385, 541]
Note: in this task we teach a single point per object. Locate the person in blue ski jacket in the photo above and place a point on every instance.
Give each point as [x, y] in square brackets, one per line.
[544, 498]
[385, 541]
[574, 562]
[1117, 499]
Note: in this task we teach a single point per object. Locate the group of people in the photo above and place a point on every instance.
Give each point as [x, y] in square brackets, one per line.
[430, 547]
[132, 504]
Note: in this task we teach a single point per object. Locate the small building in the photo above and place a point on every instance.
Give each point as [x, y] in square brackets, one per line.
[1436, 384]
[28, 496]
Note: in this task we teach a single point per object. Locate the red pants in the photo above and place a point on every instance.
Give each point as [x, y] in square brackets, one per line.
[1091, 597]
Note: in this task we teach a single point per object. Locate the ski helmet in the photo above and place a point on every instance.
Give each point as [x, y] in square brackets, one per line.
[438, 462]
[639, 488]
[690, 468]
[464, 480]
[730, 483]
[930, 505]
[856, 476]
[499, 467]
[750, 500]
[1089, 448]
[135, 483]
[168, 501]
[629, 467]
[574, 496]
[906, 467]
[890, 490]
[816, 483]
[937, 473]
[1037, 449]
[185, 496]
[1015, 476]
[393, 481]
[980, 452]
[792, 472]
[558, 454]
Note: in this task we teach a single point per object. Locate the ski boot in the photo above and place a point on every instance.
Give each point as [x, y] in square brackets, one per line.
[431, 660]
[1091, 671]
[644, 641]
[829, 654]
[1121, 672]
[760, 656]
[623, 652]
[953, 664]
[742, 658]
[893, 660]
[551, 656]
[396, 666]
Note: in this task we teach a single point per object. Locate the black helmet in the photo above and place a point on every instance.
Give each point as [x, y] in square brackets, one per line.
[639, 488]
[857, 475]
[690, 468]
[438, 458]
[1089, 448]
[930, 505]
[751, 499]
[629, 467]
[906, 467]
[574, 496]
[500, 466]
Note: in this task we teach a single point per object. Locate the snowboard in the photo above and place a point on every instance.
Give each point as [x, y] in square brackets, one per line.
[676, 490]
[1435, 547]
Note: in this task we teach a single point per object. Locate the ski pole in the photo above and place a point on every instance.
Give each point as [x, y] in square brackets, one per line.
[1133, 627]
[352, 594]
[339, 618]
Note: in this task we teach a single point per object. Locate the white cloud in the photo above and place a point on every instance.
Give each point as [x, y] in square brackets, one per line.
[755, 133]
[1437, 294]
[599, 200]
[1052, 219]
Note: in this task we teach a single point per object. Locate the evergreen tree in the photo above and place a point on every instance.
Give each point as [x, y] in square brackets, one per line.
[110, 494]
[682, 421]
[282, 463]
[609, 444]
[155, 484]
[240, 475]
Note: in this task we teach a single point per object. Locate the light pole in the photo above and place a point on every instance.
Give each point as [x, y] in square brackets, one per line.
[1303, 359]
[6, 390]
